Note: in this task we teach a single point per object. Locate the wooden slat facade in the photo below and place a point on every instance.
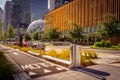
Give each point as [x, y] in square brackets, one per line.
[84, 12]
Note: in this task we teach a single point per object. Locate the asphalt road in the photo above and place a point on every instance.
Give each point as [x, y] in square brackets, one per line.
[32, 66]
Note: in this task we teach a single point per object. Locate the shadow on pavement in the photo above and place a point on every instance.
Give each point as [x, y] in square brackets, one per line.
[95, 73]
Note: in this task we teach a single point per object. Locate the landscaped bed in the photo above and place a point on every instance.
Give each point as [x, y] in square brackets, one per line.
[105, 45]
[6, 68]
[63, 54]
[86, 55]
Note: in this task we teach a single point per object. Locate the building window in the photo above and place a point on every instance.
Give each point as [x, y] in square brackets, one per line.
[90, 28]
[99, 28]
[87, 29]
[95, 28]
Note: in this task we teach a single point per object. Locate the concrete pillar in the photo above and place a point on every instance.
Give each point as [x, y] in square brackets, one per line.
[75, 56]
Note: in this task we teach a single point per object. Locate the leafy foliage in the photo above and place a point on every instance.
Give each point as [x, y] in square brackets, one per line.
[52, 34]
[110, 28]
[103, 44]
[1, 26]
[27, 37]
[10, 32]
[76, 33]
[37, 35]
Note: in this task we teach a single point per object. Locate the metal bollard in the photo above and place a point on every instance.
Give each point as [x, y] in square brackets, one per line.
[75, 56]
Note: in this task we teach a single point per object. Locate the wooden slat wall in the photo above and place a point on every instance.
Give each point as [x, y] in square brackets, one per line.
[84, 12]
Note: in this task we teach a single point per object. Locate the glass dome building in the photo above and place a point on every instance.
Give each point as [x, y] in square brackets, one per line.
[37, 25]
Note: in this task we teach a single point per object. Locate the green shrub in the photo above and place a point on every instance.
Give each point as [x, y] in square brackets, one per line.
[6, 68]
[118, 45]
[97, 44]
[102, 44]
[107, 44]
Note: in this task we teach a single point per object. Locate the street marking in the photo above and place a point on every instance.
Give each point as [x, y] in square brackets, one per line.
[30, 66]
[15, 53]
[35, 66]
[45, 64]
[47, 71]
[59, 68]
[26, 67]
[32, 73]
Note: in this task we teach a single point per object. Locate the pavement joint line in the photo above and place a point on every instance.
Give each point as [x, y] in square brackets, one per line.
[91, 74]
[28, 78]
[37, 58]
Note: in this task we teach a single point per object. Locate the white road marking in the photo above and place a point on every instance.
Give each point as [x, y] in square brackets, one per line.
[30, 66]
[45, 65]
[15, 53]
[47, 71]
[32, 73]
[59, 68]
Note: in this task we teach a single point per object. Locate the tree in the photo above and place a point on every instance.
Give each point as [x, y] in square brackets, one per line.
[1, 26]
[76, 33]
[10, 32]
[3, 36]
[36, 36]
[27, 37]
[52, 34]
[110, 28]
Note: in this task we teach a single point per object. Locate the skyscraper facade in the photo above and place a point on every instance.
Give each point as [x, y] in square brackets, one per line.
[38, 9]
[52, 5]
[21, 15]
[1, 19]
[1, 14]
[7, 14]
[59, 3]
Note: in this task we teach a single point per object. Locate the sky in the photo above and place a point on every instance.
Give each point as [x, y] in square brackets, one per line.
[2, 3]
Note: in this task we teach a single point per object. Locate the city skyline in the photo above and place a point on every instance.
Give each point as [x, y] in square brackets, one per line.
[2, 3]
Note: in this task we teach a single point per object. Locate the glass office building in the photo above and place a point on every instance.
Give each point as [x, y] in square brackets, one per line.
[21, 14]
[7, 14]
[38, 9]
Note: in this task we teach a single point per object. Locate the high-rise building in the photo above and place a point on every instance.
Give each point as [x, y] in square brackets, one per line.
[1, 14]
[52, 5]
[1, 19]
[21, 15]
[38, 9]
[7, 14]
[57, 3]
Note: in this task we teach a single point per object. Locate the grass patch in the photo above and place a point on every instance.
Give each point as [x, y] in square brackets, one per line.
[86, 56]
